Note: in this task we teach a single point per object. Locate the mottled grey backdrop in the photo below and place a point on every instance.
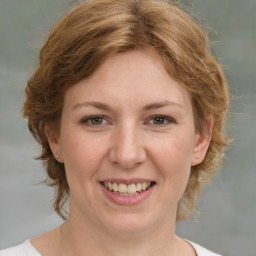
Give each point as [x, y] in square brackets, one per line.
[228, 207]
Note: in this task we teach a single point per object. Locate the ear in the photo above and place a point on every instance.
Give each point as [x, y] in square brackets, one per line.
[53, 140]
[202, 142]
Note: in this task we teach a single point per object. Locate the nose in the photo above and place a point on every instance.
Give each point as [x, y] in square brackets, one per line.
[128, 149]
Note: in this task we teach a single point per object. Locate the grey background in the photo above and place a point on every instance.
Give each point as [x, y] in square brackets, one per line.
[227, 223]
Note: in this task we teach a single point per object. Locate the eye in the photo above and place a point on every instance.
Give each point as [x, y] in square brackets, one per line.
[94, 121]
[160, 120]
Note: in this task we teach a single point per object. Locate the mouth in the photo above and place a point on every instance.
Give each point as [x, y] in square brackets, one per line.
[127, 190]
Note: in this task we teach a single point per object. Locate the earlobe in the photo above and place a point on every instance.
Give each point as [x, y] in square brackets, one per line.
[53, 140]
[202, 142]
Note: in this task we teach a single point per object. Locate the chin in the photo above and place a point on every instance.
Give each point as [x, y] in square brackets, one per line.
[130, 225]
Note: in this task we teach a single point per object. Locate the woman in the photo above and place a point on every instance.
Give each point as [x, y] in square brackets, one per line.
[128, 105]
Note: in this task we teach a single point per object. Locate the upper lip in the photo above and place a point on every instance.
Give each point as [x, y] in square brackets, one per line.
[126, 181]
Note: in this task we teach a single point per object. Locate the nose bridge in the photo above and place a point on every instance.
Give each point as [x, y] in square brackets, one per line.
[128, 149]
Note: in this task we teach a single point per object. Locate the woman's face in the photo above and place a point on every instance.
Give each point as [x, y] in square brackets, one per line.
[128, 141]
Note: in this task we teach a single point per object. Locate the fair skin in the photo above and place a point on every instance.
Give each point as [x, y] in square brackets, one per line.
[129, 123]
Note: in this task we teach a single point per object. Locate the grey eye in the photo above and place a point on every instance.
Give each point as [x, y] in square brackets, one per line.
[96, 120]
[159, 120]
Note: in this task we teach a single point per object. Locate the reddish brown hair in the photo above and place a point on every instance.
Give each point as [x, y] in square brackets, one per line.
[92, 31]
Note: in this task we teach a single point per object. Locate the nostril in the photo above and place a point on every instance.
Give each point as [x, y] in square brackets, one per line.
[127, 154]
[127, 165]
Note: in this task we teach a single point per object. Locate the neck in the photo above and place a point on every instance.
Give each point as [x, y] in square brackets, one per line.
[86, 238]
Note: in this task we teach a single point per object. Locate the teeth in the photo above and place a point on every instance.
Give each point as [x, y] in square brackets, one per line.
[138, 186]
[110, 186]
[131, 189]
[127, 190]
[115, 187]
[122, 188]
[126, 194]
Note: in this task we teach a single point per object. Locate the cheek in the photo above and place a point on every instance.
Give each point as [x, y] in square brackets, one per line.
[82, 156]
[172, 157]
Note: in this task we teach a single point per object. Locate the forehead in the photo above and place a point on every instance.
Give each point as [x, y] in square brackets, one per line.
[130, 77]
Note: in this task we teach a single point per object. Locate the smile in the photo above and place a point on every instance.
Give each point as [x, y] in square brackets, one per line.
[127, 190]
[123, 192]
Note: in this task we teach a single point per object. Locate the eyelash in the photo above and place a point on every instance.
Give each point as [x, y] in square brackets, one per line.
[167, 120]
[90, 118]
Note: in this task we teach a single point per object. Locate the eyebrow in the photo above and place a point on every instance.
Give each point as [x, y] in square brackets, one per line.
[95, 104]
[161, 104]
[106, 107]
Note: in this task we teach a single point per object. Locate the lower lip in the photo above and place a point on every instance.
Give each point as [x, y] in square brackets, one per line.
[127, 200]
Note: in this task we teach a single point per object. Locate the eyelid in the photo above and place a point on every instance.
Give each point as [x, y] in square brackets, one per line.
[88, 118]
[168, 118]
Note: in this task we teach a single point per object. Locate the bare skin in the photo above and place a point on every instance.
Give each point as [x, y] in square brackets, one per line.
[54, 243]
[144, 130]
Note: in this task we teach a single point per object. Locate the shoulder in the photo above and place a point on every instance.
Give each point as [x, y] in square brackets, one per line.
[24, 249]
[201, 251]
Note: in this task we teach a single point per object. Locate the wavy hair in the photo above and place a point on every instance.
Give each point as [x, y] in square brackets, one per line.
[94, 30]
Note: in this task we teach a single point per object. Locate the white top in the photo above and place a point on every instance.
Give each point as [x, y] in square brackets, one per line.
[26, 249]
